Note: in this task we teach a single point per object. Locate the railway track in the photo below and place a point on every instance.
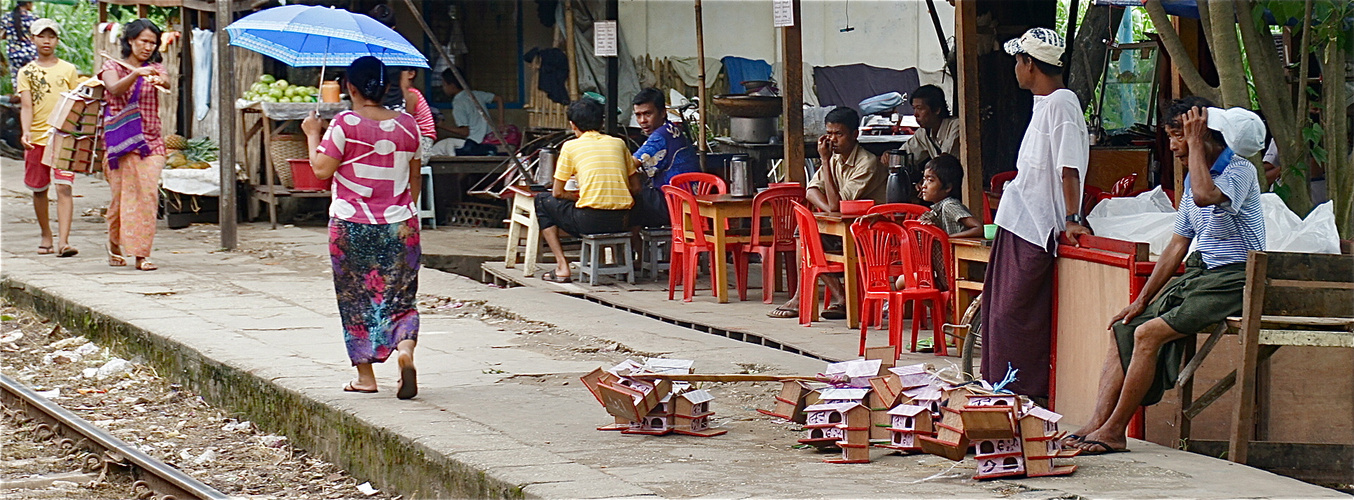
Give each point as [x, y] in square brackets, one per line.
[97, 450]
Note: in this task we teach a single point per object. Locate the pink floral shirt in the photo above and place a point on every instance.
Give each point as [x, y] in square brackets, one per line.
[371, 185]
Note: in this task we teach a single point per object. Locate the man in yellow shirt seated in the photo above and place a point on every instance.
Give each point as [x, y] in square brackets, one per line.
[607, 180]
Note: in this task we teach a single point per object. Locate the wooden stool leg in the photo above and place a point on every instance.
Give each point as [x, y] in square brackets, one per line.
[514, 238]
[533, 245]
[1243, 425]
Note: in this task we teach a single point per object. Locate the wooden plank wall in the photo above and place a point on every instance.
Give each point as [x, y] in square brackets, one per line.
[1088, 294]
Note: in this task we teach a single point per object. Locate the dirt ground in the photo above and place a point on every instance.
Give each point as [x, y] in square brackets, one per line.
[150, 413]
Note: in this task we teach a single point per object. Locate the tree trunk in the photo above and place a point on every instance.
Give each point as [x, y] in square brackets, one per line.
[1189, 70]
[1282, 115]
[1226, 51]
[1088, 55]
[1340, 166]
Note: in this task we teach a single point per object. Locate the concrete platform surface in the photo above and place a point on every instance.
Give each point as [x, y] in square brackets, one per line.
[500, 411]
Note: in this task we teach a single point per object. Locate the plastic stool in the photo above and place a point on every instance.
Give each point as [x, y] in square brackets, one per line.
[426, 208]
[654, 256]
[591, 262]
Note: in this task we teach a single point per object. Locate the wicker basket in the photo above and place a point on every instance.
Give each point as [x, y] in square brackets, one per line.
[285, 147]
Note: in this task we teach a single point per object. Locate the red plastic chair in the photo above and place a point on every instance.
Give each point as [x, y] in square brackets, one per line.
[995, 187]
[875, 243]
[686, 250]
[775, 204]
[699, 183]
[928, 266]
[899, 211]
[813, 263]
[1124, 185]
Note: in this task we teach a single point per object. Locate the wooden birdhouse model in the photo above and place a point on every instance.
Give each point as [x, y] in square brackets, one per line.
[855, 443]
[1040, 440]
[907, 422]
[950, 440]
[913, 376]
[791, 401]
[854, 373]
[999, 458]
[830, 395]
[657, 422]
[691, 414]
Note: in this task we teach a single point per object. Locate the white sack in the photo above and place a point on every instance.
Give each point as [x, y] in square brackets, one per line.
[1285, 232]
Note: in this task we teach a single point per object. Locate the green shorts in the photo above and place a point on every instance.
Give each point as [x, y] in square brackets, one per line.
[1199, 298]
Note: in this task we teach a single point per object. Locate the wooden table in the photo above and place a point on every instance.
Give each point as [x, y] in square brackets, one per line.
[970, 264]
[837, 224]
[721, 208]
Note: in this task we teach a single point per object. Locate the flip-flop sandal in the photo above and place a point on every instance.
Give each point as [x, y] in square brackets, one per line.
[115, 260]
[552, 277]
[834, 312]
[146, 265]
[68, 251]
[350, 388]
[45, 250]
[1104, 448]
[408, 386]
[783, 312]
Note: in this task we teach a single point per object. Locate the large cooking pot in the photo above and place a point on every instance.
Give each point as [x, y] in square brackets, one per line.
[748, 106]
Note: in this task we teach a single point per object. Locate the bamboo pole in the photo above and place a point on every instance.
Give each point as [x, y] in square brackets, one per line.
[700, 92]
[737, 377]
[570, 50]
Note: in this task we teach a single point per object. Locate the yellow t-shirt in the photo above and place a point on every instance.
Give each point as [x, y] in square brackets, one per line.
[45, 85]
[603, 165]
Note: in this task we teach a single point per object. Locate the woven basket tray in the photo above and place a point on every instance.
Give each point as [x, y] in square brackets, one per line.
[282, 148]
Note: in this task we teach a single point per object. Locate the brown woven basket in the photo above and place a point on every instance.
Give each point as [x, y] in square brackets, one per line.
[285, 147]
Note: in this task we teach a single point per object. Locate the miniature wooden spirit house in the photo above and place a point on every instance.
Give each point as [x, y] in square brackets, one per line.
[907, 423]
[691, 414]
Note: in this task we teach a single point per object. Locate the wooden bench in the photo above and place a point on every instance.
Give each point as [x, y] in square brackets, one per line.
[1291, 299]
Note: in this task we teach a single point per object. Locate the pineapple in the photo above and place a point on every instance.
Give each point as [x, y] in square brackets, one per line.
[176, 141]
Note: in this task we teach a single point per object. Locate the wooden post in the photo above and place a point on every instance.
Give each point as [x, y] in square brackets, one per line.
[570, 50]
[225, 110]
[700, 92]
[966, 102]
[613, 74]
[792, 99]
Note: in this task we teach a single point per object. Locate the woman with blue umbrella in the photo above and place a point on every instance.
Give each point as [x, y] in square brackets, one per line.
[373, 227]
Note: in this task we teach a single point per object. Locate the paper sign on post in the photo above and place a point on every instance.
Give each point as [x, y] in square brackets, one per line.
[604, 38]
[782, 13]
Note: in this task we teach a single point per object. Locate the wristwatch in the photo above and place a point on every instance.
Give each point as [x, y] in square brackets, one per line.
[1077, 218]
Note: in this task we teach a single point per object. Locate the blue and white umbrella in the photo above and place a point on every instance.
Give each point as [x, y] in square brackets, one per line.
[302, 35]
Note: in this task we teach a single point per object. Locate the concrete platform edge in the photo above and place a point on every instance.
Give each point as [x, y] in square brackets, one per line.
[363, 448]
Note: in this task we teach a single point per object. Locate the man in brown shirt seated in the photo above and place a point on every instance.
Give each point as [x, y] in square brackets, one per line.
[850, 173]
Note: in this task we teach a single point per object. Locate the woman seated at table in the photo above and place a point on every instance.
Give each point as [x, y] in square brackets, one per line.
[849, 172]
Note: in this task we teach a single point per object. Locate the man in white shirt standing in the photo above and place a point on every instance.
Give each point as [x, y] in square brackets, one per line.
[1042, 201]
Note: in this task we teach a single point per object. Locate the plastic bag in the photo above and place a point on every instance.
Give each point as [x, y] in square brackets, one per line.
[1285, 232]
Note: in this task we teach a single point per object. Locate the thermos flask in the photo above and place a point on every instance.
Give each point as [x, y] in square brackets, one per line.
[739, 172]
[545, 167]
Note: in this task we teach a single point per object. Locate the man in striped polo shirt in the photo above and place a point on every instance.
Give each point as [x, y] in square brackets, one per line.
[607, 178]
[1220, 213]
